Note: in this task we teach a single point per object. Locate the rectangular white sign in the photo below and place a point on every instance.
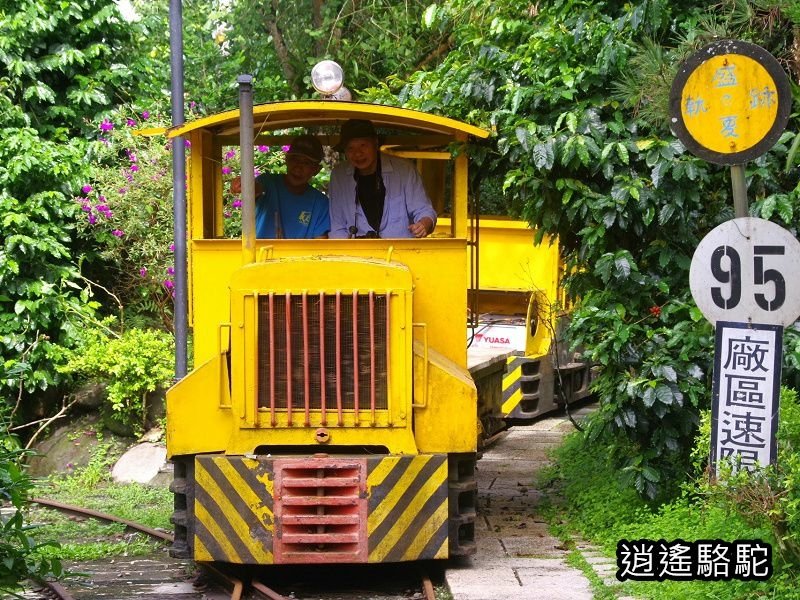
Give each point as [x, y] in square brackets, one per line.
[747, 375]
[500, 337]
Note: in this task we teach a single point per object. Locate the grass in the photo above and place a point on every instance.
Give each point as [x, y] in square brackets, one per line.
[586, 498]
[82, 539]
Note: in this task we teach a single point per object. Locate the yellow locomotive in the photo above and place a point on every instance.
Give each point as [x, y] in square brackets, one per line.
[331, 416]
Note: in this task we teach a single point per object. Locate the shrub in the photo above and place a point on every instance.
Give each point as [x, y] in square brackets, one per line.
[125, 211]
[133, 365]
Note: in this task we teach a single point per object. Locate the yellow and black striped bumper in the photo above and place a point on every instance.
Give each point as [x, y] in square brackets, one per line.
[263, 510]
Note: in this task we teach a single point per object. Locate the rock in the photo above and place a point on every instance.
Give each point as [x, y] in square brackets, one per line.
[142, 463]
[154, 435]
[72, 446]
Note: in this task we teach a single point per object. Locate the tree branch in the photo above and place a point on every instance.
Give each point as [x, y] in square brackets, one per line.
[46, 422]
[281, 50]
[316, 23]
[436, 52]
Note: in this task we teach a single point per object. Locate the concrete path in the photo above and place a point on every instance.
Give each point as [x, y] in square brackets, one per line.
[517, 557]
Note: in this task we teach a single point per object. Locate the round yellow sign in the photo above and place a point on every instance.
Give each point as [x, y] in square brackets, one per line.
[729, 103]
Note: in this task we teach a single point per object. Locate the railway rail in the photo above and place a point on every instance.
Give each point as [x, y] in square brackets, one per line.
[222, 576]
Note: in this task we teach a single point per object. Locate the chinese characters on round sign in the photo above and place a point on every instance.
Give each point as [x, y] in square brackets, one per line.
[730, 102]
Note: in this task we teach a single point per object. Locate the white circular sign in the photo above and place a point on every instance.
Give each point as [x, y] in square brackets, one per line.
[746, 271]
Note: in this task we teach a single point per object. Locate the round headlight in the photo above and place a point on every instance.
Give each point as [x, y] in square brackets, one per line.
[327, 77]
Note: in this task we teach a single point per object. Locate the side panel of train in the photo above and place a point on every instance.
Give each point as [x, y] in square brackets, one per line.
[520, 312]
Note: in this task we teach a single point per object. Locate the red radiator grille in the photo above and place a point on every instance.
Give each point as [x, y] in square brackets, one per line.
[320, 511]
[322, 352]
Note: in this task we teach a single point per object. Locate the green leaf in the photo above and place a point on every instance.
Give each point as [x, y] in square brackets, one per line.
[664, 395]
[622, 266]
[429, 16]
[543, 155]
[651, 474]
[658, 173]
[622, 152]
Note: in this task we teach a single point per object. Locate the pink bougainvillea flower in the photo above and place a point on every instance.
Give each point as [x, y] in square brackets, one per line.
[172, 247]
[285, 148]
[92, 219]
[146, 115]
[86, 189]
[226, 170]
[263, 148]
[130, 123]
[230, 154]
[169, 284]
[134, 168]
[106, 125]
[187, 143]
[118, 233]
[236, 203]
[143, 272]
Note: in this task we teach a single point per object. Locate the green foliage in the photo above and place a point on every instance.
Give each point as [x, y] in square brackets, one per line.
[56, 74]
[44, 299]
[124, 211]
[769, 498]
[602, 171]
[278, 43]
[133, 365]
[60, 61]
[20, 553]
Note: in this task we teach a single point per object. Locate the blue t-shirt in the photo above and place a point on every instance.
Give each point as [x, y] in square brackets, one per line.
[297, 215]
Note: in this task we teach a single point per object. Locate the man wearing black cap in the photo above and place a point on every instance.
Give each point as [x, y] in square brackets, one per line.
[374, 194]
[286, 205]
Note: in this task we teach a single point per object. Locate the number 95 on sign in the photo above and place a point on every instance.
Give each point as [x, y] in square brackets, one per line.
[745, 271]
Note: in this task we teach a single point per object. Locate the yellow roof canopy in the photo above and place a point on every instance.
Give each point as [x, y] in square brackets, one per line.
[312, 114]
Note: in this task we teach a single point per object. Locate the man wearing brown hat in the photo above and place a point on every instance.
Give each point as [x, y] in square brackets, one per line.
[374, 194]
[286, 205]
